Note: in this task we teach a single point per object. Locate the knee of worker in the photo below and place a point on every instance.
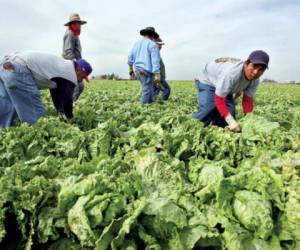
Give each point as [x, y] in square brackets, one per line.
[200, 115]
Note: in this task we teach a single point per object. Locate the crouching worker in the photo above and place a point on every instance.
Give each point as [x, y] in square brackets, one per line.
[22, 75]
[220, 80]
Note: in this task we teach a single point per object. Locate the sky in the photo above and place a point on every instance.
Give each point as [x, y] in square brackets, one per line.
[195, 31]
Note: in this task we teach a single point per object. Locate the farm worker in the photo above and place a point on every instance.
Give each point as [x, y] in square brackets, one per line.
[145, 57]
[72, 46]
[166, 90]
[222, 78]
[22, 74]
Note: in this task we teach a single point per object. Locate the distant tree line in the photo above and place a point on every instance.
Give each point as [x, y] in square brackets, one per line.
[266, 80]
[112, 76]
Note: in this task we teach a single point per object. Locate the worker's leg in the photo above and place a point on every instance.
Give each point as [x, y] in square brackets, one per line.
[146, 80]
[7, 110]
[206, 103]
[166, 89]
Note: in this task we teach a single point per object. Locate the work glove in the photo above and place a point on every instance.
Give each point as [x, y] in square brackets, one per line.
[157, 80]
[232, 123]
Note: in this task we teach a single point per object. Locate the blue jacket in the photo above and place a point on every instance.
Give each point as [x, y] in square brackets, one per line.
[145, 54]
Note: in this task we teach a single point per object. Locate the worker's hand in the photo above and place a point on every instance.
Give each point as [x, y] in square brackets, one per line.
[131, 72]
[142, 72]
[157, 80]
[232, 123]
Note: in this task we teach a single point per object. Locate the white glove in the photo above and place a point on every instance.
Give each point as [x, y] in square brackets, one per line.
[232, 123]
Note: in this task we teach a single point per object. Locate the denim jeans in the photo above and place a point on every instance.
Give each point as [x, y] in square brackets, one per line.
[147, 83]
[19, 95]
[207, 111]
[166, 90]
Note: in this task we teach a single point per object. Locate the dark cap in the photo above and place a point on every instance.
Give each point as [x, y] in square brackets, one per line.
[149, 31]
[84, 67]
[259, 57]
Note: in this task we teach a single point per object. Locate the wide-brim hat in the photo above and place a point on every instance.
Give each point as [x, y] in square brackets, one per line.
[74, 17]
[149, 31]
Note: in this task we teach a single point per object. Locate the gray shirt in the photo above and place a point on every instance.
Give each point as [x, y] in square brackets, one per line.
[71, 46]
[227, 76]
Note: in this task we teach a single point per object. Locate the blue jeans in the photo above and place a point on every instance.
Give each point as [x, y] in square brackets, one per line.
[19, 95]
[147, 83]
[207, 111]
[166, 90]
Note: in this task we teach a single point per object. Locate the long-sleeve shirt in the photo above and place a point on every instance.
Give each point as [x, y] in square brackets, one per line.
[71, 46]
[145, 55]
[62, 96]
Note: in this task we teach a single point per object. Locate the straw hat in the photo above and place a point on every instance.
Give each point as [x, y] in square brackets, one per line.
[74, 17]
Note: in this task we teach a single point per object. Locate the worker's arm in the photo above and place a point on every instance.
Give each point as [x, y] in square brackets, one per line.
[248, 97]
[223, 89]
[69, 45]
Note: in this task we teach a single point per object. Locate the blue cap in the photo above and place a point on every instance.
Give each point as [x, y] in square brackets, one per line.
[84, 66]
[259, 57]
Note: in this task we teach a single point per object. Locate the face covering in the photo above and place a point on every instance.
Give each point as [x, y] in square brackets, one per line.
[75, 29]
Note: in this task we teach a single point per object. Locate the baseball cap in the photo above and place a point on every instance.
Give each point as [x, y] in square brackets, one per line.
[84, 67]
[259, 57]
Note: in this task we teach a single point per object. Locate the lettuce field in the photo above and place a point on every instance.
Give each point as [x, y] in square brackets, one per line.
[127, 176]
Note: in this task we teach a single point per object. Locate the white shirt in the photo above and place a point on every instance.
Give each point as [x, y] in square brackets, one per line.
[46, 66]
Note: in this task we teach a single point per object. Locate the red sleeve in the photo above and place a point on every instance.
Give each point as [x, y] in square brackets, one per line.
[247, 104]
[221, 105]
